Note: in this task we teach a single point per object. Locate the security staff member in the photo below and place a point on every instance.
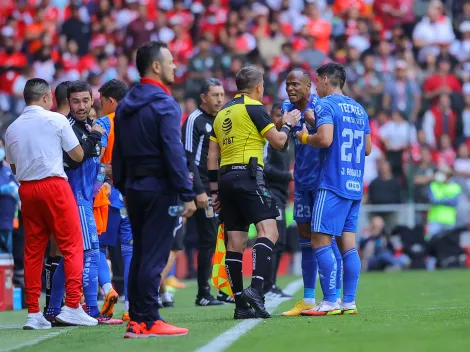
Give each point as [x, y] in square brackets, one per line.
[238, 138]
[276, 169]
[195, 136]
[149, 169]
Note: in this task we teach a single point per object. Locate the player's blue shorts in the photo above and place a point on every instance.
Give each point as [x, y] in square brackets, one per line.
[117, 226]
[303, 205]
[333, 214]
[89, 232]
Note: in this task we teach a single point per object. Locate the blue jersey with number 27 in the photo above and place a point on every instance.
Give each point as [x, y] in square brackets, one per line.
[342, 163]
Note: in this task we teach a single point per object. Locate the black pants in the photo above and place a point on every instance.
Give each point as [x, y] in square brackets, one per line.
[152, 229]
[207, 237]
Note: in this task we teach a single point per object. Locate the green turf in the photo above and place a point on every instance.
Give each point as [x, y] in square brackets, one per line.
[412, 311]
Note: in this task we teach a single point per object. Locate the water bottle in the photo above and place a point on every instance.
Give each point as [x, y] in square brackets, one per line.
[99, 180]
[176, 210]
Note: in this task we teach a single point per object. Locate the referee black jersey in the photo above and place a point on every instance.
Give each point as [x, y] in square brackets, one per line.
[195, 137]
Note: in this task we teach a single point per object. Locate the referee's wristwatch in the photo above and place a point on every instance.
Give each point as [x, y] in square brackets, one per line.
[288, 124]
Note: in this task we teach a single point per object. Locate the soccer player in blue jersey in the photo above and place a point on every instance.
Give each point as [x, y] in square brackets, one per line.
[306, 174]
[343, 136]
[118, 222]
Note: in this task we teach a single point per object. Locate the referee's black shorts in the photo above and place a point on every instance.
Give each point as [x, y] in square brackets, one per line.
[245, 200]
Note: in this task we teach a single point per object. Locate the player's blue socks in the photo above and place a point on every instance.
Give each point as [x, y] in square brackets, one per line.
[339, 267]
[58, 290]
[327, 267]
[126, 251]
[309, 268]
[90, 281]
[352, 271]
[104, 276]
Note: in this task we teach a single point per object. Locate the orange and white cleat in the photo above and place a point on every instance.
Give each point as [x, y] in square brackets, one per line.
[324, 308]
[108, 306]
[125, 316]
[161, 328]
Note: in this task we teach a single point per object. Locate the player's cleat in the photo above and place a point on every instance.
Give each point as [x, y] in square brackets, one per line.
[207, 300]
[161, 328]
[110, 300]
[125, 316]
[244, 313]
[324, 308]
[167, 300]
[104, 320]
[174, 282]
[349, 308]
[36, 321]
[256, 300]
[76, 316]
[276, 292]
[223, 297]
[298, 308]
[160, 302]
[134, 330]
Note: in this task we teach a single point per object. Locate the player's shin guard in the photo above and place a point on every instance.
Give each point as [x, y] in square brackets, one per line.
[352, 271]
[126, 252]
[90, 281]
[49, 269]
[261, 262]
[233, 264]
[309, 268]
[58, 290]
[339, 267]
[104, 276]
[327, 267]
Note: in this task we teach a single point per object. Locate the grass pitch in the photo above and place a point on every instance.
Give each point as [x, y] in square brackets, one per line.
[410, 311]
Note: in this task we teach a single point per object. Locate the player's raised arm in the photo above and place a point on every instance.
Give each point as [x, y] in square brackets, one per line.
[279, 139]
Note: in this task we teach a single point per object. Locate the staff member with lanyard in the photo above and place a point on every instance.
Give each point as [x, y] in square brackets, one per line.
[238, 138]
[150, 170]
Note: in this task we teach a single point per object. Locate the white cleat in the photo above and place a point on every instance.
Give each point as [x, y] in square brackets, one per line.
[71, 316]
[36, 321]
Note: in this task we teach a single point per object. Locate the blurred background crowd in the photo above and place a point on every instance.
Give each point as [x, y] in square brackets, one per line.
[407, 62]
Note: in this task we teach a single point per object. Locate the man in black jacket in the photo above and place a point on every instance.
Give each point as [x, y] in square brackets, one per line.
[195, 136]
[276, 169]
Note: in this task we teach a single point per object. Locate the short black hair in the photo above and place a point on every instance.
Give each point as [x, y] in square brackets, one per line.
[208, 83]
[335, 73]
[114, 89]
[34, 89]
[148, 53]
[304, 72]
[276, 106]
[248, 77]
[61, 93]
[78, 87]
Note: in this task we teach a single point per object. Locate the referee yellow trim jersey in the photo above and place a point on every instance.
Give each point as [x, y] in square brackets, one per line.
[239, 128]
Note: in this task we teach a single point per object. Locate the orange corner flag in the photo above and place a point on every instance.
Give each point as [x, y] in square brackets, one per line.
[219, 274]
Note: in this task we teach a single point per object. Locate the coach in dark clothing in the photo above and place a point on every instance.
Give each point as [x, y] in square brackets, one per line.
[276, 170]
[150, 170]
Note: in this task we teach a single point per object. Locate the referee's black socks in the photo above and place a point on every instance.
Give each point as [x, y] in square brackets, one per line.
[233, 264]
[262, 265]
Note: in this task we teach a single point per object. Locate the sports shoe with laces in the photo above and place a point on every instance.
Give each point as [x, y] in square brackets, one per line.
[276, 292]
[207, 300]
[77, 316]
[298, 308]
[256, 300]
[323, 308]
[110, 300]
[223, 297]
[104, 320]
[134, 330]
[36, 321]
[167, 300]
[161, 328]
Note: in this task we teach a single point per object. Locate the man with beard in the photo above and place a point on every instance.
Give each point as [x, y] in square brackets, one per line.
[150, 170]
[306, 173]
[82, 178]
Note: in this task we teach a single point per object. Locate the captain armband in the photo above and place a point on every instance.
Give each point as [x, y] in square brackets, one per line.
[213, 175]
[304, 138]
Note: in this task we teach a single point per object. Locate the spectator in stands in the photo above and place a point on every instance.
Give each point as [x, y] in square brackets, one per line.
[439, 120]
[403, 93]
[466, 115]
[462, 167]
[312, 55]
[443, 82]
[385, 189]
[369, 86]
[446, 154]
[422, 175]
[74, 28]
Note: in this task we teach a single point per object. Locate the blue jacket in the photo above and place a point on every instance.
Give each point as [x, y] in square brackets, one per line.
[7, 201]
[147, 135]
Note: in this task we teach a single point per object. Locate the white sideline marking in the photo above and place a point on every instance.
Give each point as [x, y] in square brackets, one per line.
[35, 340]
[227, 338]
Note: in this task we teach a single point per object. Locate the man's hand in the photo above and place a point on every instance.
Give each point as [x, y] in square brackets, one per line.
[202, 201]
[107, 187]
[97, 128]
[216, 203]
[299, 134]
[309, 117]
[189, 209]
[292, 117]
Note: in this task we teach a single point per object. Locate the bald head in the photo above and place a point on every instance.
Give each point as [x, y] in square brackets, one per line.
[298, 85]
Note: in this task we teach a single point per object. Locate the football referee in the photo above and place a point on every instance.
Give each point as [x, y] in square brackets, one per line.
[238, 188]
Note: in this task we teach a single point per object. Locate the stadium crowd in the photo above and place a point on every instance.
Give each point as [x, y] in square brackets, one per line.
[407, 63]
